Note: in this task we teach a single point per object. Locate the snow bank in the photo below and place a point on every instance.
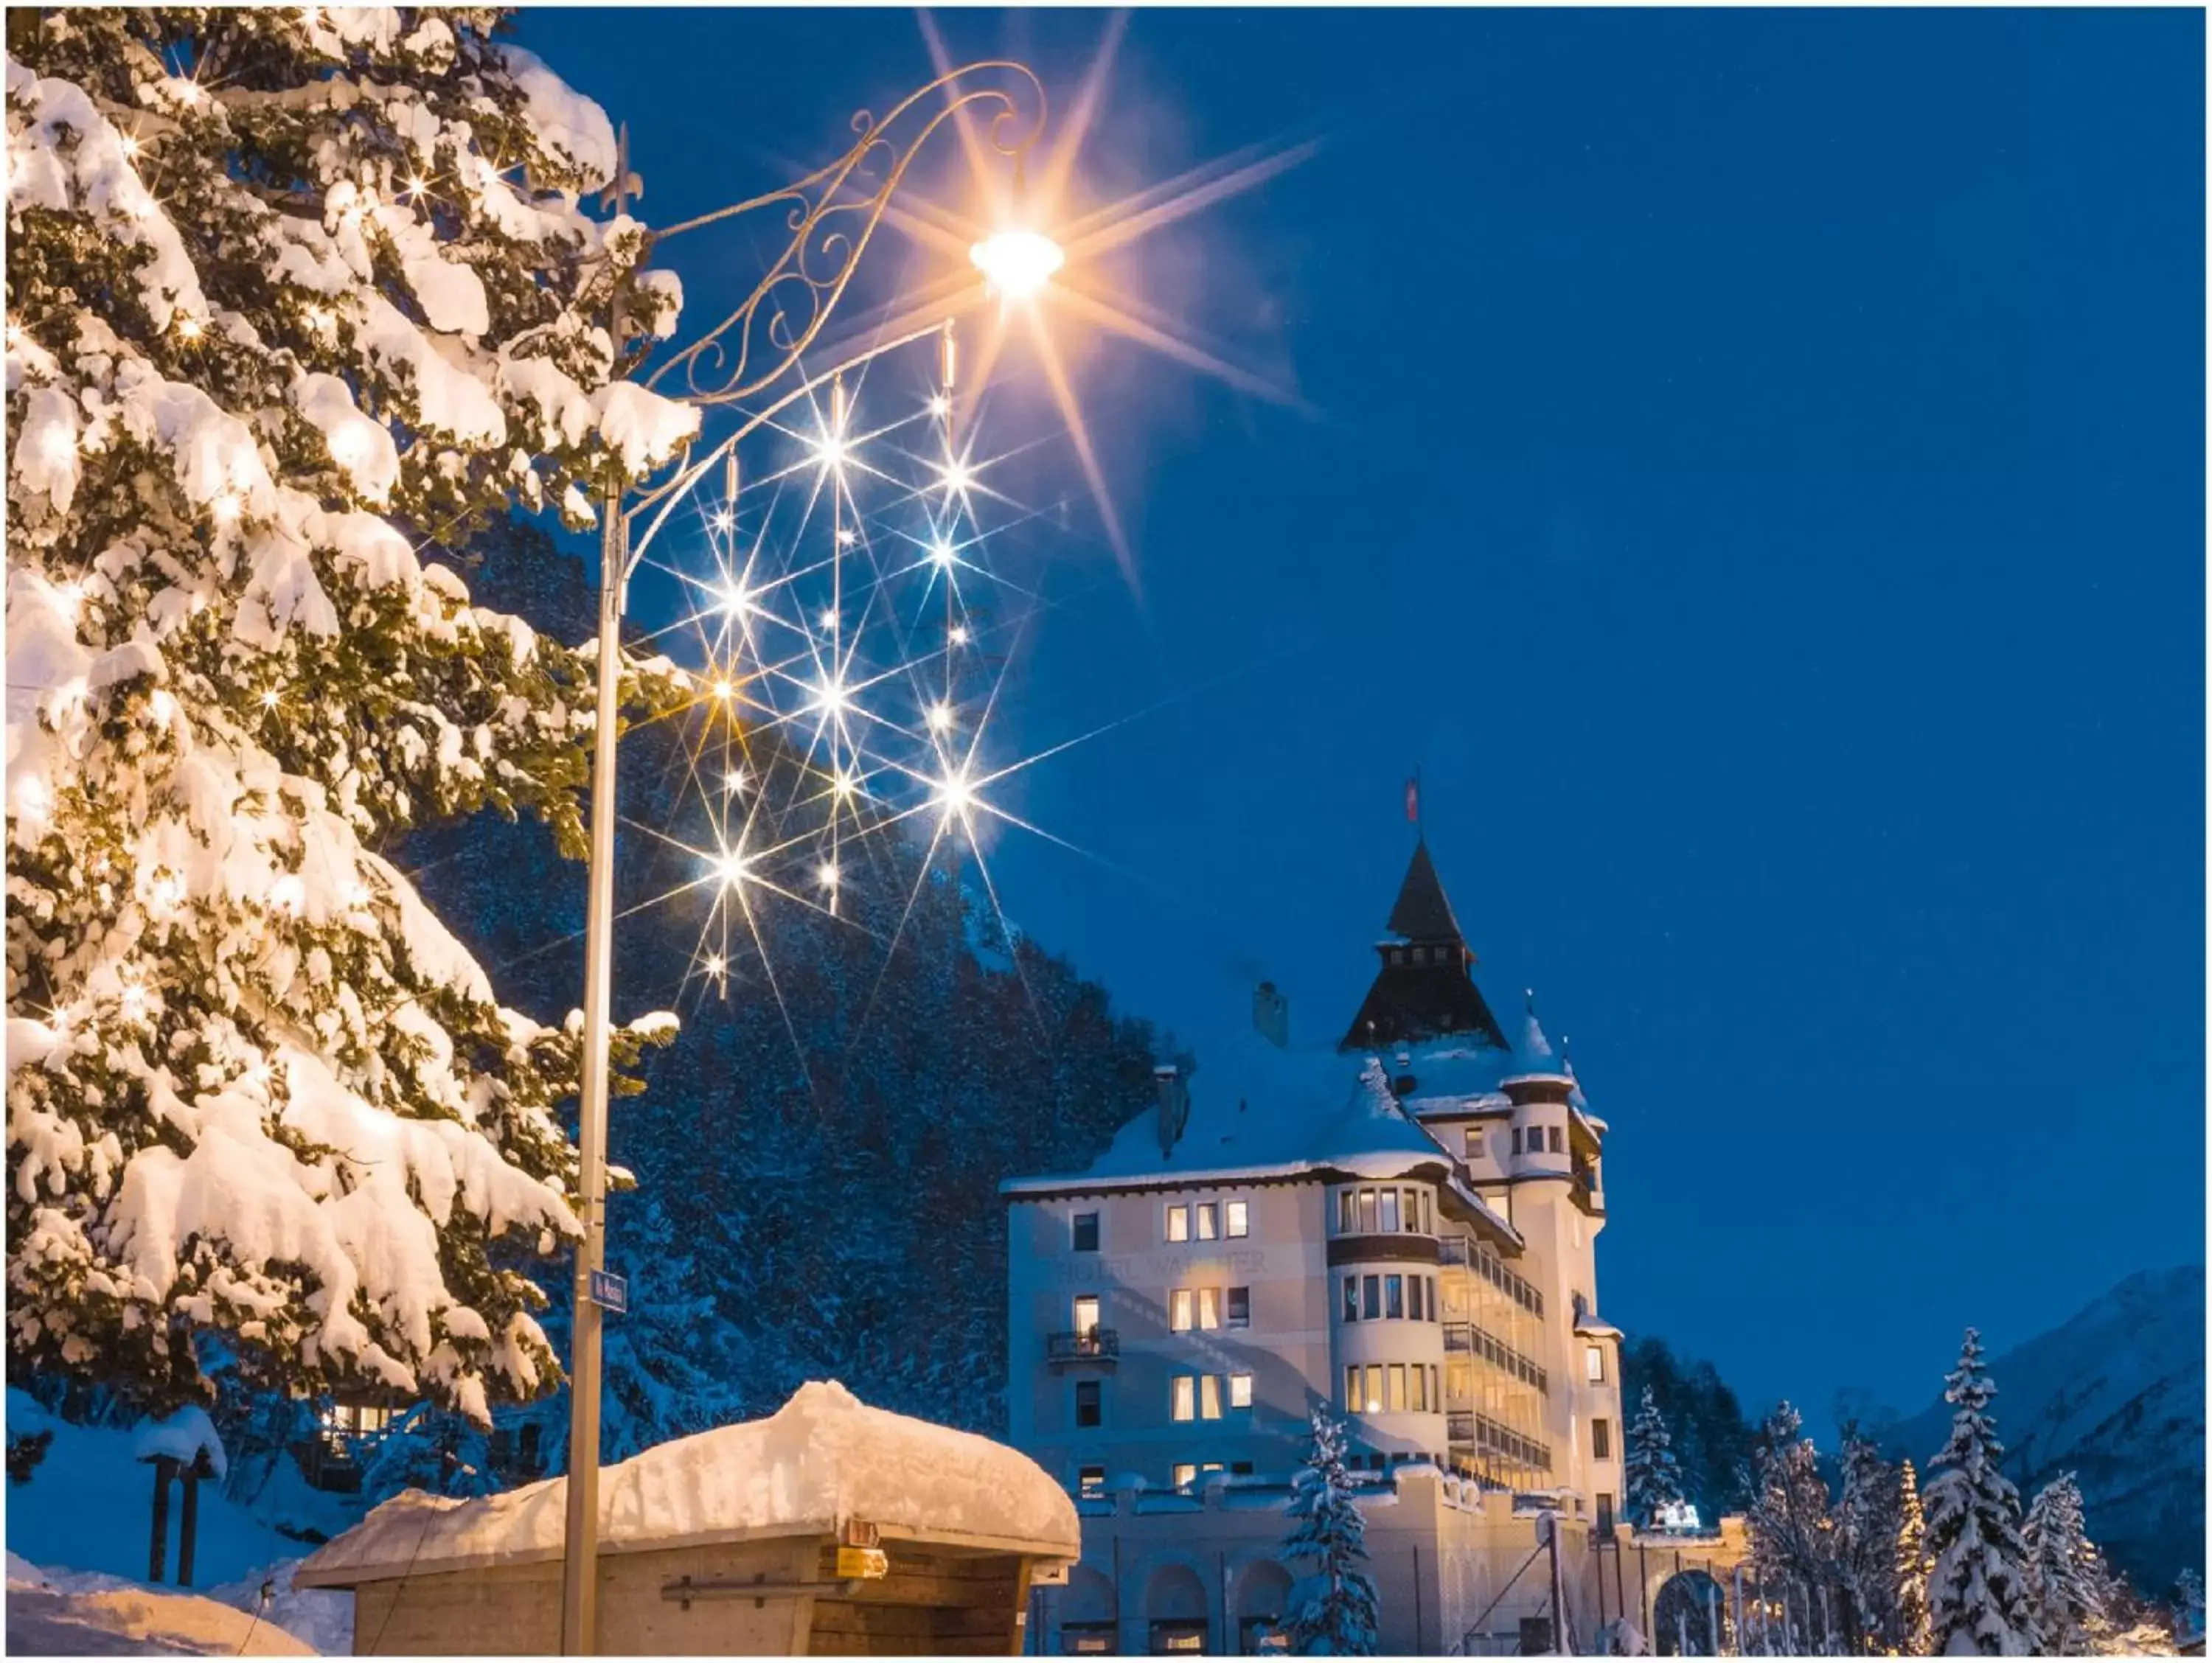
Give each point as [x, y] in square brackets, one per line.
[823, 1459]
[182, 1437]
[57, 1613]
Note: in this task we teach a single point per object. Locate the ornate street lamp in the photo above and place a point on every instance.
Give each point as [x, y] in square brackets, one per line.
[750, 360]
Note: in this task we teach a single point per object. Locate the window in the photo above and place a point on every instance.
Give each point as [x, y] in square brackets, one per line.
[1183, 1404]
[1239, 1308]
[1092, 1481]
[1088, 1408]
[1594, 1364]
[1395, 1389]
[1087, 1232]
[1556, 1148]
[1474, 1143]
[1436, 1391]
[1179, 1311]
[1367, 1211]
[1208, 1221]
[1419, 1383]
[1240, 1218]
[1352, 1399]
[1178, 1224]
[1371, 1297]
[1431, 1281]
[1352, 1299]
[1517, 1140]
[1240, 1469]
[1186, 1474]
[1410, 1212]
[1389, 1219]
[1602, 1441]
[1393, 1296]
[1209, 1397]
[1413, 1297]
[1209, 1308]
[1604, 1514]
[1240, 1391]
[1374, 1388]
[1347, 1210]
[1086, 1315]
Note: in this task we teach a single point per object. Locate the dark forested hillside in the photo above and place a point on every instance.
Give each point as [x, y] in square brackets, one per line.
[1711, 1440]
[817, 1153]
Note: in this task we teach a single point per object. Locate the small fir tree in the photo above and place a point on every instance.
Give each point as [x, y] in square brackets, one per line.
[1978, 1592]
[1866, 1542]
[1793, 1539]
[1333, 1610]
[1911, 1564]
[1654, 1476]
[2066, 1574]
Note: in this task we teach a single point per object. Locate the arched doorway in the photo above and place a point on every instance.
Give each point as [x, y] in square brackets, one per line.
[1690, 1617]
[1175, 1611]
[1263, 1601]
[1085, 1609]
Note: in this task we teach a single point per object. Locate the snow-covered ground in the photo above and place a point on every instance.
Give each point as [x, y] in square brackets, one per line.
[80, 1527]
[75, 1614]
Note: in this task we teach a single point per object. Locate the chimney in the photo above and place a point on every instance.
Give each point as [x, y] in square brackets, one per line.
[1271, 1015]
[1174, 1105]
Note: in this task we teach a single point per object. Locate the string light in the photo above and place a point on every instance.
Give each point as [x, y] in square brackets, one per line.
[734, 867]
[189, 91]
[724, 691]
[714, 965]
[129, 143]
[188, 327]
[14, 335]
[941, 717]
[829, 452]
[268, 697]
[833, 697]
[956, 476]
[829, 619]
[724, 519]
[735, 781]
[940, 554]
[32, 800]
[847, 537]
[134, 996]
[844, 784]
[417, 187]
[827, 875]
[289, 894]
[959, 634]
[940, 406]
[226, 506]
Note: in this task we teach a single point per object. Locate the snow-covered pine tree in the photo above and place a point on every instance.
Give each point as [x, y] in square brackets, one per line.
[1793, 1541]
[1866, 1541]
[1977, 1593]
[2065, 1573]
[1333, 1610]
[1654, 1478]
[292, 293]
[1910, 1565]
[2189, 1605]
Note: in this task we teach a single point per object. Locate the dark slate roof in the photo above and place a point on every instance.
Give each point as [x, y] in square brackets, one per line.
[1422, 912]
[1437, 997]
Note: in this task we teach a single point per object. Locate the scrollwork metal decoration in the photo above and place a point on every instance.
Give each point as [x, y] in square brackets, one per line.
[759, 342]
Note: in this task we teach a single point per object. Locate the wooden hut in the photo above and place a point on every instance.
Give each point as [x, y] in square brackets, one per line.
[830, 1527]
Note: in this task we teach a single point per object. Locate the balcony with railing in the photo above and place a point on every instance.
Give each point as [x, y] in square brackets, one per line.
[1452, 1250]
[1099, 1347]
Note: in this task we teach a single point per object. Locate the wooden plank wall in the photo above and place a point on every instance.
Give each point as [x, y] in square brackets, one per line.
[931, 1604]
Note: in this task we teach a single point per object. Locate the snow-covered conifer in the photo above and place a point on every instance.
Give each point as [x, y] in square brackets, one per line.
[1793, 1541]
[292, 294]
[2065, 1573]
[1909, 1624]
[1653, 1477]
[1978, 1592]
[1333, 1608]
[1866, 1541]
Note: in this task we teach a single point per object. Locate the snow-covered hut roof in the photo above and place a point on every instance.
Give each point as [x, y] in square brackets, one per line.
[183, 1437]
[822, 1459]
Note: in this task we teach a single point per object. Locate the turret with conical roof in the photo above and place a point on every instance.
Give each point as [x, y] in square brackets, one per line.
[1424, 989]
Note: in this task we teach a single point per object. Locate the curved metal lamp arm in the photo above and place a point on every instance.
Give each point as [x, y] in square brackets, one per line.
[759, 343]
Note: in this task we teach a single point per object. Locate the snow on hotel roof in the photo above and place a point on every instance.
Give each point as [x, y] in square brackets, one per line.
[823, 1459]
[1259, 1110]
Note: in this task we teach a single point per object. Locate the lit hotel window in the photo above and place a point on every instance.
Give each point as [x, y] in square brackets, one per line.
[1178, 1224]
[1184, 1404]
[1240, 1219]
[1206, 1211]
[1240, 1391]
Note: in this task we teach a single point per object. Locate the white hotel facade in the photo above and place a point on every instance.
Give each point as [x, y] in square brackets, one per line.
[1401, 1224]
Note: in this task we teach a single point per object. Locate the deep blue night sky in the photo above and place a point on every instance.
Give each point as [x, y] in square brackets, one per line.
[1754, 467]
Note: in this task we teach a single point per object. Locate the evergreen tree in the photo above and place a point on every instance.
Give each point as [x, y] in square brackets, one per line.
[1333, 1610]
[1978, 1592]
[1909, 1631]
[2066, 1574]
[291, 293]
[1654, 1478]
[1793, 1539]
[1866, 1525]
[2189, 1604]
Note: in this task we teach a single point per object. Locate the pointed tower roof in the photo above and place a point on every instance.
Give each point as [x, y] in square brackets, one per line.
[1424, 989]
[1423, 912]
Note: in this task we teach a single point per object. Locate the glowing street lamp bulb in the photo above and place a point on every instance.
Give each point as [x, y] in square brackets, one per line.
[847, 537]
[960, 634]
[833, 697]
[724, 691]
[940, 554]
[724, 519]
[733, 868]
[828, 875]
[734, 781]
[940, 406]
[955, 794]
[940, 717]
[1018, 263]
[829, 451]
[844, 784]
[957, 476]
[713, 964]
[829, 619]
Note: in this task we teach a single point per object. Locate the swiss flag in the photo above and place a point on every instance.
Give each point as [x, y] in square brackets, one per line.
[1413, 801]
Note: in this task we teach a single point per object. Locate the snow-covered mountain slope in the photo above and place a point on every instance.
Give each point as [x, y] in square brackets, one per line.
[2116, 1395]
